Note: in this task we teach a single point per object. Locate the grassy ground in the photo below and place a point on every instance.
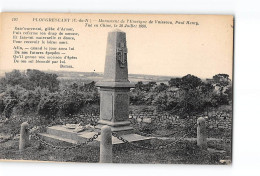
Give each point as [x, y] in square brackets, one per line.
[185, 152]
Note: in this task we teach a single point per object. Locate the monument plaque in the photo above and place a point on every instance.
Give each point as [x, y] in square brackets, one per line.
[115, 87]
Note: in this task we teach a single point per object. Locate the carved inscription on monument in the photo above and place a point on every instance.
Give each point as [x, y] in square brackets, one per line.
[121, 54]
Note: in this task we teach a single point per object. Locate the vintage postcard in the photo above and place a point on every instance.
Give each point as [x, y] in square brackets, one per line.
[116, 88]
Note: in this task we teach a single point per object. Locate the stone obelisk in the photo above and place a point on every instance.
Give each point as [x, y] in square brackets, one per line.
[115, 86]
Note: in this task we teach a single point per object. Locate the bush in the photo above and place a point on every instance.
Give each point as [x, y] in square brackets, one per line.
[49, 105]
[74, 98]
[25, 101]
[30, 79]
[43, 80]
[2, 106]
[71, 102]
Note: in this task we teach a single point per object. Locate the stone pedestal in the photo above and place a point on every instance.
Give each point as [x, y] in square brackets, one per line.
[115, 86]
[114, 105]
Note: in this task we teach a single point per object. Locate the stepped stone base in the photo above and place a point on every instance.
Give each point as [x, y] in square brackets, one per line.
[61, 135]
[121, 128]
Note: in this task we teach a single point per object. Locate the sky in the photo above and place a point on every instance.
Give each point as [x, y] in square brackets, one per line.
[174, 49]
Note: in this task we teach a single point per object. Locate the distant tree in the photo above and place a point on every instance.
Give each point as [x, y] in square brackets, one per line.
[149, 86]
[40, 92]
[221, 79]
[174, 82]
[190, 82]
[186, 82]
[139, 86]
[223, 87]
[229, 92]
[14, 78]
[189, 103]
[182, 96]
[43, 80]
[207, 96]
[31, 79]
[161, 87]
[165, 101]
[137, 97]
[142, 93]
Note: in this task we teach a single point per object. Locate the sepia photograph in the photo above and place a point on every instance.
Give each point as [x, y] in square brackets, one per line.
[116, 88]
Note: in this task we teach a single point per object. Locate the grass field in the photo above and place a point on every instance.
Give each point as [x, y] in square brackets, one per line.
[186, 152]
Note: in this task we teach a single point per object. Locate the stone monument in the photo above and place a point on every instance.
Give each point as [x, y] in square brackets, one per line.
[115, 86]
[114, 100]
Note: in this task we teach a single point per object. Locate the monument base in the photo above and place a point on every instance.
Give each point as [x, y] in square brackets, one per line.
[61, 135]
[121, 128]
